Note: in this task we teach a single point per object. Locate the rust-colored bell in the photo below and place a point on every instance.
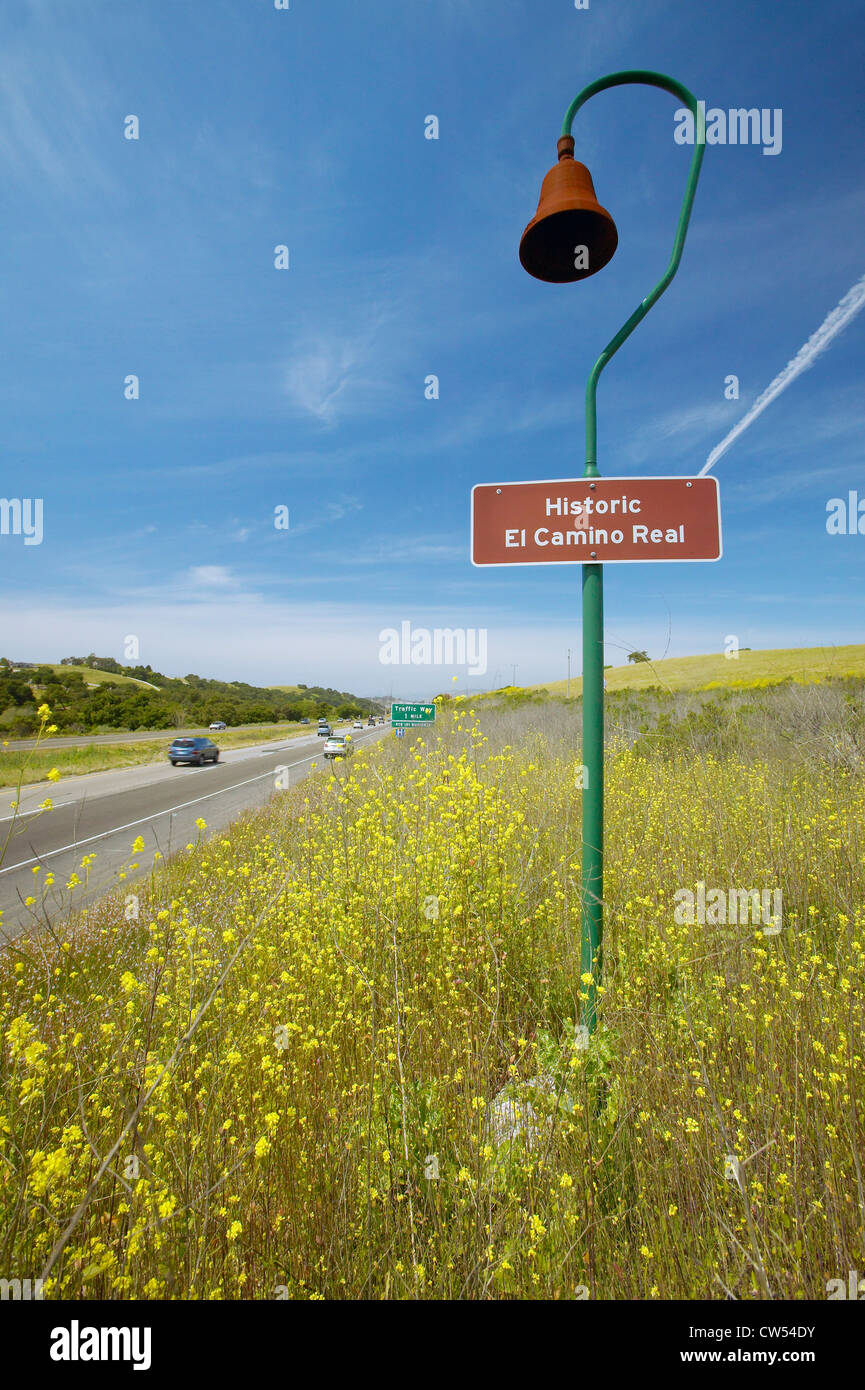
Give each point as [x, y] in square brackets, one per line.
[570, 236]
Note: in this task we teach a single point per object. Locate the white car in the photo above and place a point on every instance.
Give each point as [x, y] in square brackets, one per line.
[357, 724]
[218, 724]
[338, 746]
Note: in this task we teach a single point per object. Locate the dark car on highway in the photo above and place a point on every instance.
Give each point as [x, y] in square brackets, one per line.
[193, 750]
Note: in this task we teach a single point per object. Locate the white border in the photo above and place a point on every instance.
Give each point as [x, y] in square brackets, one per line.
[606, 478]
[415, 723]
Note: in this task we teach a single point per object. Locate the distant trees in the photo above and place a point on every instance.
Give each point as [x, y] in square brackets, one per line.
[114, 707]
[96, 663]
[14, 690]
[78, 705]
[638, 656]
[259, 714]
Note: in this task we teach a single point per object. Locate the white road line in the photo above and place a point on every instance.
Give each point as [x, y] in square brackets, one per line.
[81, 800]
[169, 810]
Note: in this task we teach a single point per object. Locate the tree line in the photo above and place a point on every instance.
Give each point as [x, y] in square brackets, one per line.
[191, 702]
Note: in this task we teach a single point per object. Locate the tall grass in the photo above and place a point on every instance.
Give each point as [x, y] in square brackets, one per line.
[334, 1053]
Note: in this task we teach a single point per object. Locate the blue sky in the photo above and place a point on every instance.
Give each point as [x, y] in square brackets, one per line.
[305, 387]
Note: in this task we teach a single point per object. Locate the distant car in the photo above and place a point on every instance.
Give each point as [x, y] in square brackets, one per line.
[304, 720]
[218, 724]
[357, 724]
[324, 731]
[381, 719]
[370, 723]
[193, 750]
[338, 746]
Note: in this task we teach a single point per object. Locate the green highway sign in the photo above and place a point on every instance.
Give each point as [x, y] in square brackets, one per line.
[412, 714]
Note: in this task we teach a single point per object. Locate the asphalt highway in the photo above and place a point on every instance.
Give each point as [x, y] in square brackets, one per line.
[132, 736]
[102, 813]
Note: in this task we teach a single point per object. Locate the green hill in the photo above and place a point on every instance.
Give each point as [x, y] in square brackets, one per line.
[96, 694]
[804, 664]
[93, 676]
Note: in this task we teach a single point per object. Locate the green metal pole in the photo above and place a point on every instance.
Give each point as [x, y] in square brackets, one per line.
[592, 869]
[592, 880]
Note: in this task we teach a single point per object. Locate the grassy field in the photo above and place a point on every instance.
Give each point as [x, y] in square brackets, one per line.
[34, 765]
[332, 1053]
[696, 672]
[92, 676]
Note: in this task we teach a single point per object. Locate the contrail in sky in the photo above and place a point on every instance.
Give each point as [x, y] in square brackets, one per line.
[831, 326]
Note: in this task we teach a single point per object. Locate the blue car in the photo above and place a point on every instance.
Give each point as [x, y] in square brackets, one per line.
[193, 750]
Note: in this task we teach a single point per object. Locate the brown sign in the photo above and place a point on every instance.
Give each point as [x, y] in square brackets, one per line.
[596, 520]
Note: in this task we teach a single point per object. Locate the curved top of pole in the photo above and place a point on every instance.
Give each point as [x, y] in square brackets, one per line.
[677, 89]
[640, 76]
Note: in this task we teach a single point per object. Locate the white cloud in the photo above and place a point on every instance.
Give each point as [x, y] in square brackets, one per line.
[209, 576]
[832, 325]
[234, 637]
[335, 374]
[683, 428]
[332, 510]
[319, 376]
[52, 111]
